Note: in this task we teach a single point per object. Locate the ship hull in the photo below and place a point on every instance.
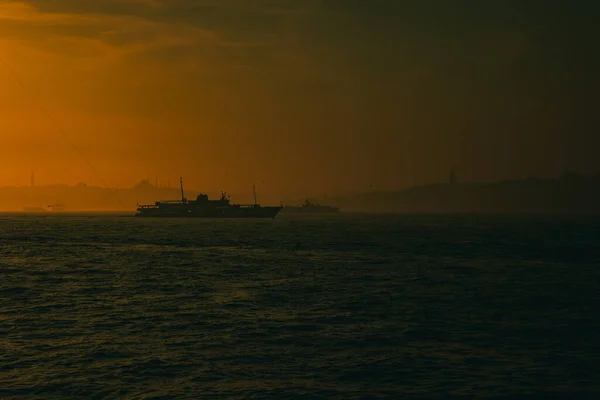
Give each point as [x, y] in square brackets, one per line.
[232, 212]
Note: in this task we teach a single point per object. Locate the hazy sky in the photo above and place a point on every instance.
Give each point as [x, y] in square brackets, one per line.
[301, 96]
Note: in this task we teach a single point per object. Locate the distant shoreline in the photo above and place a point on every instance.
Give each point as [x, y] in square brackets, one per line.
[568, 194]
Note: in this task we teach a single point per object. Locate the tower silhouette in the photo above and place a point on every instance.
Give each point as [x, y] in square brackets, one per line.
[452, 177]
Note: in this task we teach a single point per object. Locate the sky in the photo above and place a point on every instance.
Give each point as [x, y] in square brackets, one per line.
[296, 96]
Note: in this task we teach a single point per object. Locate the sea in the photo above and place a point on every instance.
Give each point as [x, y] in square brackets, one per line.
[351, 306]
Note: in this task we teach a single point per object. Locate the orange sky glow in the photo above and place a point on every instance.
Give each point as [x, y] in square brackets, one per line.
[310, 98]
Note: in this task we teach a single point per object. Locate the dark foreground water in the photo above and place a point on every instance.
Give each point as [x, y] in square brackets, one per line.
[358, 306]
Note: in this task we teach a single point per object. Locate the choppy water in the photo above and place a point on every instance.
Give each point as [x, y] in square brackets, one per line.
[347, 307]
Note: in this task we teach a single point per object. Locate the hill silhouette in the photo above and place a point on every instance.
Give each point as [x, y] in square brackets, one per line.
[84, 197]
[569, 193]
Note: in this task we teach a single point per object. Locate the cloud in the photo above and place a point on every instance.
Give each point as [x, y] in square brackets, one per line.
[120, 28]
[274, 46]
[100, 34]
[153, 57]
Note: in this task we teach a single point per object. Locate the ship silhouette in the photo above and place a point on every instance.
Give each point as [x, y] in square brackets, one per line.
[203, 207]
[56, 207]
[311, 208]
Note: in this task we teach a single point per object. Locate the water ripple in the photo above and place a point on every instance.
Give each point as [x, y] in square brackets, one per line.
[345, 307]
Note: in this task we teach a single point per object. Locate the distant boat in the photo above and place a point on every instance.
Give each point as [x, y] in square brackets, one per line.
[56, 207]
[202, 207]
[311, 208]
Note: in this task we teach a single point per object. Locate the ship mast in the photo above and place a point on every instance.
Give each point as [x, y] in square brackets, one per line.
[254, 190]
[181, 185]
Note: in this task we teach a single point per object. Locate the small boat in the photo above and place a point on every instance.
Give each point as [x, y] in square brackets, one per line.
[56, 207]
[311, 208]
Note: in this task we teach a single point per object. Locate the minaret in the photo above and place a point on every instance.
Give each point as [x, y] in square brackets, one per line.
[452, 177]
[181, 186]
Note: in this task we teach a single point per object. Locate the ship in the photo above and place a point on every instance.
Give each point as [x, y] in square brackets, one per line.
[203, 207]
[56, 207]
[311, 208]
[51, 207]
